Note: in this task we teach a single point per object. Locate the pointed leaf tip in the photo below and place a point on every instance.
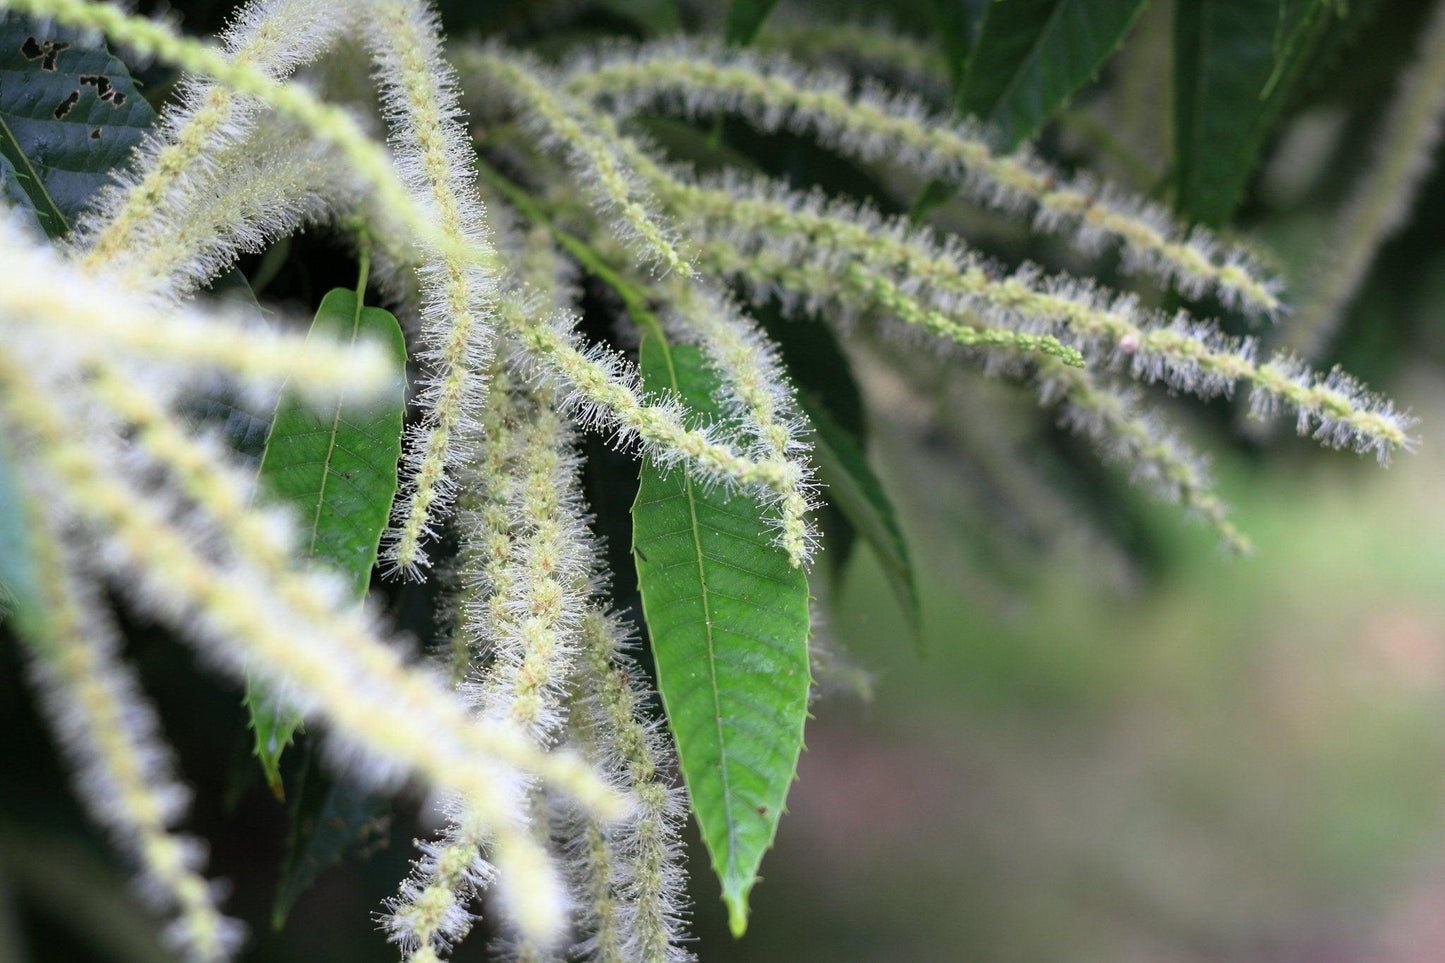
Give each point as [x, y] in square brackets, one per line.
[727, 616]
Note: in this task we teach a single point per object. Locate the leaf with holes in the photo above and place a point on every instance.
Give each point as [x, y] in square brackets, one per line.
[336, 466]
[728, 620]
[1031, 56]
[69, 115]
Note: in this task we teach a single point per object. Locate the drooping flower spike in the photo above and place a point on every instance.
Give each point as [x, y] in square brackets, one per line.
[774, 93]
[797, 243]
[126, 775]
[458, 292]
[139, 212]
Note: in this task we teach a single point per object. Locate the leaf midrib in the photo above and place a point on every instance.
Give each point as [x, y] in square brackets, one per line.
[706, 600]
[331, 444]
[21, 159]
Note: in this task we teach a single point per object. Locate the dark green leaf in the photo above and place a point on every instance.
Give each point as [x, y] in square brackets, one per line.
[329, 817]
[745, 19]
[855, 489]
[69, 116]
[1297, 20]
[1031, 56]
[955, 22]
[816, 364]
[651, 18]
[728, 620]
[336, 465]
[1231, 77]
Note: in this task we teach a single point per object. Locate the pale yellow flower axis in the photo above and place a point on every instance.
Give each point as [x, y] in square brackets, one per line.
[269, 36]
[201, 471]
[99, 712]
[360, 683]
[1139, 445]
[43, 297]
[607, 393]
[1189, 356]
[434, 739]
[257, 538]
[524, 617]
[762, 397]
[458, 296]
[604, 390]
[700, 79]
[430, 912]
[634, 875]
[251, 193]
[854, 284]
[678, 195]
[568, 123]
[1122, 434]
[328, 123]
[484, 520]
[530, 629]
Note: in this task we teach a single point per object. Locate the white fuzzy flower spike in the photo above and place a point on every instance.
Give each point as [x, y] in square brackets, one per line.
[564, 124]
[630, 873]
[126, 776]
[804, 247]
[873, 125]
[141, 212]
[394, 716]
[458, 295]
[528, 632]
[252, 193]
[760, 398]
[44, 297]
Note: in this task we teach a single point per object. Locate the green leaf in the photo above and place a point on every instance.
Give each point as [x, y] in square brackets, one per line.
[336, 465]
[745, 19]
[955, 23]
[1297, 20]
[330, 816]
[728, 620]
[1232, 74]
[1031, 56]
[818, 368]
[651, 18]
[69, 115]
[851, 485]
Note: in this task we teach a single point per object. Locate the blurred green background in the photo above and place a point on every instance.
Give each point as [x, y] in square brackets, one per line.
[1233, 760]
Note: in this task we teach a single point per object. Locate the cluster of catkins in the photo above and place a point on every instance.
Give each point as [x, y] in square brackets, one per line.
[530, 725]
